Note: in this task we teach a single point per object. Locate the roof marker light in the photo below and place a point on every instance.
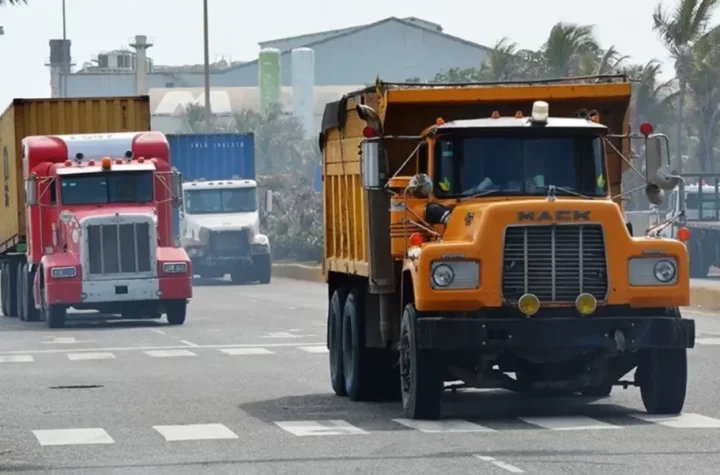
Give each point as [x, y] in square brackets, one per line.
[495, 115]
[540, 111]
[119, 161]
[106, 163]
[68, 163]
[141, 160]
[519, 115]
[91, 163]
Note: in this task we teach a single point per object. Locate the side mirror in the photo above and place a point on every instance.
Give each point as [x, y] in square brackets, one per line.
[31, 191]
[177, 191]
[370, 159]
[658, 173]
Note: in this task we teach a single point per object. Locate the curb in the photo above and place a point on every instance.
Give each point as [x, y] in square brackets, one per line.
[298, 272]
[702, 297]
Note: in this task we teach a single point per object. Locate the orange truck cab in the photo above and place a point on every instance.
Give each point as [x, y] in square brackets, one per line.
[476, 231]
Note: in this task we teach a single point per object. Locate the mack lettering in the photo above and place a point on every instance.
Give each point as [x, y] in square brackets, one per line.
[559, 215]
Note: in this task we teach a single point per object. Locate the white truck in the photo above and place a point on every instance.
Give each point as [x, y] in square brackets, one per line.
[220, 230]
[701, 218]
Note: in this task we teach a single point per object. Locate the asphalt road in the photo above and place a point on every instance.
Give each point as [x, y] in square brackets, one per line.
[242, 388]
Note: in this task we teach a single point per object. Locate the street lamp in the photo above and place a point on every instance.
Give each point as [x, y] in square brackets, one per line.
[208, 111]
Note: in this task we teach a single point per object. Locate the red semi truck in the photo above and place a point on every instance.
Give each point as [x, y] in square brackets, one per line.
[99, 230]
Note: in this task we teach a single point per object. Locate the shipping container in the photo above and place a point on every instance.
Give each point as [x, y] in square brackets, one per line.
[213, 156]
[57, 116]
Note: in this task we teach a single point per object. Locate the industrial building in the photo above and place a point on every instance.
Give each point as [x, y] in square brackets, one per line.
[328, 64]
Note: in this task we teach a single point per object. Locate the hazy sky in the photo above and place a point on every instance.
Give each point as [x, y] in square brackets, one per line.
[175, 26]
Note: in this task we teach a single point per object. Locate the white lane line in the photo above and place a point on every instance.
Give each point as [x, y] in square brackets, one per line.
[447, 425]
[90, 356]
[159, 332]
[188, 343]
[73, 437]
[195, 432]
[17, 359]
[332, 427]
[146, 348]
[246, 351]
[568, 423]
[708, 341]
[169, 353]
[682, 421]
[500, 464]
[314, 349]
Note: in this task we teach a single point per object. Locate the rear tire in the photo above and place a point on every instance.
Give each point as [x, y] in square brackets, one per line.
[421, 373]
[12, 296]
[176, 312]
[4, 288]
[357, 360]
[21, 275]
[334, 341]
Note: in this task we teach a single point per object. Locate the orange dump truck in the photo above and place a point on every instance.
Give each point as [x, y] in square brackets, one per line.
[475, 231]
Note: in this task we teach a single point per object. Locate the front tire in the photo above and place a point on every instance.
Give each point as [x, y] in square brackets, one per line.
[55, 316]
[663, 380]
[176, 312]
[262, 268]
[421, 373]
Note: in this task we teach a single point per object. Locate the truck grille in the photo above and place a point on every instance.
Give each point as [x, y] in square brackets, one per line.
[232, 241]
[119, 248]
[555, 263]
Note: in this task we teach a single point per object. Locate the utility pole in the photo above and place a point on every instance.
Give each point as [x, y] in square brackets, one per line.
[208, 110]
[66, 61]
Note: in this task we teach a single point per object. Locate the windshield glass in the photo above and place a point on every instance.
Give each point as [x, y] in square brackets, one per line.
[228, 200]
[108, 187]
[507, 163]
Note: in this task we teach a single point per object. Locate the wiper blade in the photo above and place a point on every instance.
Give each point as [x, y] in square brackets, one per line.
[479, 194]
[551, 189]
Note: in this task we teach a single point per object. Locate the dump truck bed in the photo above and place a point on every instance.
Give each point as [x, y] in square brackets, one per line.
[407, 109]
[25, 117]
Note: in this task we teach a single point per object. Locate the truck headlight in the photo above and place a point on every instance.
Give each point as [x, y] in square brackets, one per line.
[455, 275]
[175, 267]
[443, 275]
[665, 271]
[63, 272]
[649, 271]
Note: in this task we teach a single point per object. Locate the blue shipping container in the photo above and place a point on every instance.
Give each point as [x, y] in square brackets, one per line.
[211, 157]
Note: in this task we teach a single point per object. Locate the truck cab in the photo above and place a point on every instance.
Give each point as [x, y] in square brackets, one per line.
[99, 210]
[220, 230]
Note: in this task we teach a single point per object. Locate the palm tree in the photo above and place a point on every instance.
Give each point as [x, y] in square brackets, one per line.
[679, 30]
[502, 63]
[565, 47]
[12, 2]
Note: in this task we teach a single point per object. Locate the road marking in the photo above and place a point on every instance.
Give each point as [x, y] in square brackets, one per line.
[280, 335]
[159, 332]
[568, 423]
[707, 341]
[683, 421]
[90, 356]
[195, 432]
[16, 359]
[188, 343]
[72, 437]
[314, 349]
[169, 353]
[66, 340]
[171, 347]
[332, 427]
[246, 351]
[447, 425]
[500, 464]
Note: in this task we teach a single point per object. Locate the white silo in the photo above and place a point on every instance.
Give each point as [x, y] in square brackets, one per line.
[303, 84]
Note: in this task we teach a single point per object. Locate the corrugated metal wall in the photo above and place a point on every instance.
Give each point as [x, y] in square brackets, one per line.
[213, 156]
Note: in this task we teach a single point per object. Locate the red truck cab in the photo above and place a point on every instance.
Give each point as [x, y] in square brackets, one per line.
[99, 228]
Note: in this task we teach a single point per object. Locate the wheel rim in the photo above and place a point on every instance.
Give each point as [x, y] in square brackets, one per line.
[347, 352]
[405, 362]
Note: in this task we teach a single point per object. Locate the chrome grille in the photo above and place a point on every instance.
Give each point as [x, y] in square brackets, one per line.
[236, 241]
[119, 248]
[555, 263]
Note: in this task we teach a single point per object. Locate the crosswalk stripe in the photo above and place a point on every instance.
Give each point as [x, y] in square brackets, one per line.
[89, 436]
[568, 423]
[313, 349]
[90, 356]
[682, 421]
[17, 359]
[707, 341]
[246, 351]
[169, 353]
[447, 425]
[331, 427]
[173, 433]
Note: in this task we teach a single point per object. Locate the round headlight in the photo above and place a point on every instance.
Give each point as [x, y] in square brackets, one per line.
[443, 275]
[665, 271]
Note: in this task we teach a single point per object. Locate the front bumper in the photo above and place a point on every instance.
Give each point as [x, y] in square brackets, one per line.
[577, 334]
[119, 290]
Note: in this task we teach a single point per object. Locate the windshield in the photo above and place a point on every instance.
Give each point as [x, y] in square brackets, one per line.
[107, 187]
[507, 163]
[228, 200]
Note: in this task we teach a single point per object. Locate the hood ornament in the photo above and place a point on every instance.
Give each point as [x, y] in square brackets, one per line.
[551, 193]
